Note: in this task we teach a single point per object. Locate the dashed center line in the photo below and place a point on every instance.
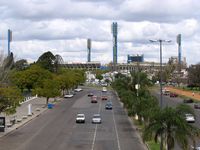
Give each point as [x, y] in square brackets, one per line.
[96, 127]
[116, 131]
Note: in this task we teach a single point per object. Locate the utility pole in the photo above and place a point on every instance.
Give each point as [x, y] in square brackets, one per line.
[161, 93]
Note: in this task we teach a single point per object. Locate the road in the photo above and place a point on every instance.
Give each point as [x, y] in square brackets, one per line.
[56, 129]
[173, 102]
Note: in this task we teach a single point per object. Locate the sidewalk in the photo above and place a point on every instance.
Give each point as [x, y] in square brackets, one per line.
[21, 117]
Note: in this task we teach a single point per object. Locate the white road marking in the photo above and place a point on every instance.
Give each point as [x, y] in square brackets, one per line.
[116, 132]
[96, 127]
[94, 138]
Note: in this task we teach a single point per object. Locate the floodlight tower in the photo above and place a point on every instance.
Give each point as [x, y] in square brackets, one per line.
[178, 40]
[9, 40]
[89, 50]
[114, 32]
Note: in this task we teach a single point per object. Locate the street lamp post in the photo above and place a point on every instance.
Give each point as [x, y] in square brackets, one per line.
[160, 42]
[161, 98]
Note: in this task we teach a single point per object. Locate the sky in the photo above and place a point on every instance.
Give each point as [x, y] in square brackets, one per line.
[63, 27]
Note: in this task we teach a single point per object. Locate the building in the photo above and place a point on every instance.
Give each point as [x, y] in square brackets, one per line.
[135, 58]
[175, 60]
[149, 67]
[86, 66]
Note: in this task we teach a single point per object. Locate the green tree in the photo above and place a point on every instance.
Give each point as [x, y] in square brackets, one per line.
[21, 64]
[68, 79]
[170, 124]
[194, 75]
[6, 65]
[10, 97]
[58, 62]
[99, 76]
[49, 89]
[31, 77]
[46, 61]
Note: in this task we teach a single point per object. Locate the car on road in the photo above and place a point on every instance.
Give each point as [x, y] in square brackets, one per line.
[96, 118]
[68, 95]
[104, 97]
[104, 89]
[80, 118]
[78, 90]
[173, 95]
[104, 84]
[94, 99]
[166, 92]
[188, 100]
[197, 105]
[189, 118]
[195, 148]
[90, 94]
[108, 105]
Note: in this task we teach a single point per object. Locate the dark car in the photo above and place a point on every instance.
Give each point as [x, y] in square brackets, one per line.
[108, 105]
[173, 95]
[197, 105]
[90, 94]
[188, 100]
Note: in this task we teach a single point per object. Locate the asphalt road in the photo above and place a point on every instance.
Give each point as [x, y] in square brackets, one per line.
[56, 129]
[173, 102]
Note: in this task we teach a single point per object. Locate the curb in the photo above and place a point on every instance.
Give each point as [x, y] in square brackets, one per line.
[17, 126]
[24, 122]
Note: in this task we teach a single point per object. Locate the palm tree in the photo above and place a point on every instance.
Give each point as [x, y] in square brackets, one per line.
[170, 124]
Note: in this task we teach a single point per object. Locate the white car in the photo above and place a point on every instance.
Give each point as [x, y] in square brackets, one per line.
[189, 118]
[104, 89]
[80, 118]
[196, 148]
[68, 96]
[96, 118]
[78, 90]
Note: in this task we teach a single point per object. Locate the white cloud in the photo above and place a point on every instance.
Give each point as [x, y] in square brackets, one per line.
[63, 28]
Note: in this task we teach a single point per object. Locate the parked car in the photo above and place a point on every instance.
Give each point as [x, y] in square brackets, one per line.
[96, 118]
[78, 90]
[189, 118]
[94, 99]
[90, 94]
[188, 100]
[80, 118]
[68, 95]
[108, 105]
[197, 105]
[104, 97]
[173, 95]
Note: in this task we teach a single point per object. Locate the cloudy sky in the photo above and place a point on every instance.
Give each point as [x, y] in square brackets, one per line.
[63, 27]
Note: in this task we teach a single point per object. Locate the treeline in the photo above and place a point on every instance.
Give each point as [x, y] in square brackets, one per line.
[167, 125]
[45, 77]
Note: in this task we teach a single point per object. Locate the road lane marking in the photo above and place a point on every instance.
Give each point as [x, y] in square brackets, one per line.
[116, 132]
[95, 133]
[96, 127]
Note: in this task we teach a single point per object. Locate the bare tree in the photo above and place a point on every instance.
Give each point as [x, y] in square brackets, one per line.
[6, 64]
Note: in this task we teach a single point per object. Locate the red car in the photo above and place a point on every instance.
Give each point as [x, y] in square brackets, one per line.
[173, 95]
[104, 97]
[94, 99]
